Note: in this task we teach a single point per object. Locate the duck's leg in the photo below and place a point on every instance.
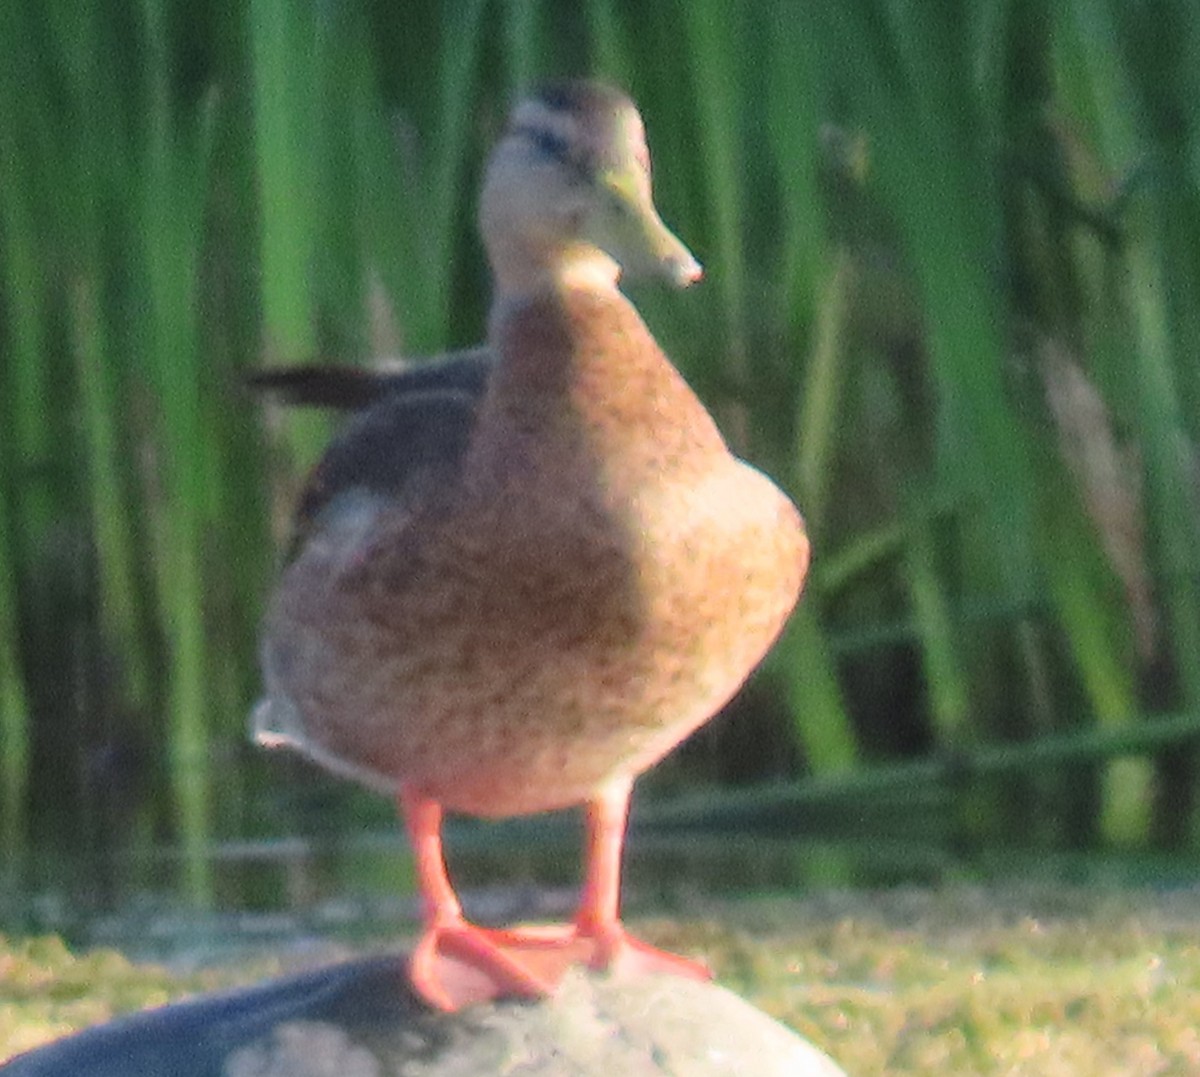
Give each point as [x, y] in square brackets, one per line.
[456, 963]
[598, 918]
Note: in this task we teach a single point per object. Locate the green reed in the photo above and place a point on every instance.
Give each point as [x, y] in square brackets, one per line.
[952, 303]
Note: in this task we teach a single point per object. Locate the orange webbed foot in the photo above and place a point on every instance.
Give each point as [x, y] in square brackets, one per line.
[616, 951]
[459, 964]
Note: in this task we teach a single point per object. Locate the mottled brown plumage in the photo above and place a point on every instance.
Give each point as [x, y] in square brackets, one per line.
[518, 600]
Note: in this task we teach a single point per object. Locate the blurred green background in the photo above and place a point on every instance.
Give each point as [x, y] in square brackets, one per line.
[952, 304]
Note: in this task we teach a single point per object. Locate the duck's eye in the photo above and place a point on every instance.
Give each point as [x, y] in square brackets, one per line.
[547, 143]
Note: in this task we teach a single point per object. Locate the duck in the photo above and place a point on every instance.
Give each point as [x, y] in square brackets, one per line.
[523, 575]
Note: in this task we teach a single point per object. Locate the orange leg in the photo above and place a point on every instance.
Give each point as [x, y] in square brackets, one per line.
[456, 963]
[598, 918]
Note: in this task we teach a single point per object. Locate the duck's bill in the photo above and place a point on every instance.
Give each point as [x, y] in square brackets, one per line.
[670, 258]
[629, 229]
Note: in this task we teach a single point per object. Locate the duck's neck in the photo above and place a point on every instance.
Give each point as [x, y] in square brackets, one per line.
[522, 275]
[547, 311]
[577, 367]
[570, 331]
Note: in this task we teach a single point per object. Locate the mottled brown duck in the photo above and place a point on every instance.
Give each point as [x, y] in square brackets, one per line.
[519, 584]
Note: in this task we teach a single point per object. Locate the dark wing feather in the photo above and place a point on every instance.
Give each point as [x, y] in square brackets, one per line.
[412, 427]
[400, 449]
[351, 388]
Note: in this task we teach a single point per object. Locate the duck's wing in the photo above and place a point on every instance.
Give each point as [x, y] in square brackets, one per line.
[402, 451]
[352, 388]
[397, 451]
[412, 423]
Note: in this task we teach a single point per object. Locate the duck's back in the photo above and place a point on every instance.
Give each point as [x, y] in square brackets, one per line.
[595, 579]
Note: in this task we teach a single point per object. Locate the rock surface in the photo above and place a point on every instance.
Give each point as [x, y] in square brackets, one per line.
[360, 1019]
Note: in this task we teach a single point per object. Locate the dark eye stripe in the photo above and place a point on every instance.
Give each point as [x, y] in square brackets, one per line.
[556, 148]
[546, 142]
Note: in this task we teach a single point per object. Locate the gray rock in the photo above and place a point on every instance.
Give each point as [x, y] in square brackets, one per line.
[360, 1019]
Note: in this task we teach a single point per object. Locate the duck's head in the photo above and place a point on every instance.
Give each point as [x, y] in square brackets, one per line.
[567, 194]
